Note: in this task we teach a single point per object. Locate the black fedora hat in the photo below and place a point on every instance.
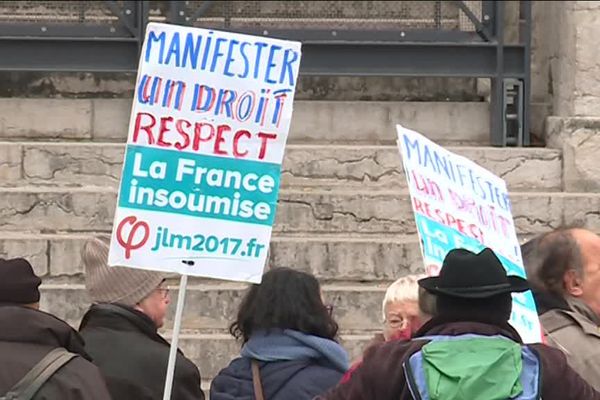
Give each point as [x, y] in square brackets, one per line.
[467, 275]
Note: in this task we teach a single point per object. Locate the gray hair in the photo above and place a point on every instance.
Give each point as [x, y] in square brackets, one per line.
[549, 257]
[403, 289]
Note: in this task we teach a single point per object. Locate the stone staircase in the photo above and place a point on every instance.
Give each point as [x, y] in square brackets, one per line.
[343, 213]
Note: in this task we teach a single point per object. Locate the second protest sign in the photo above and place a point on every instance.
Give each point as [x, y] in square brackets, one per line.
[459, 204]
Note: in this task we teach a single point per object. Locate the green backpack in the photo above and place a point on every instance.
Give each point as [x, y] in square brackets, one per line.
[473, 367]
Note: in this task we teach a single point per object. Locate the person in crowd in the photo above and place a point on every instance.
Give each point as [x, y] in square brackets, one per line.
[29, 337]
[565, 263]
[402, 314]
[405, 308]
[121, 330]
[289, 348]
[427, 305]
[468, 350]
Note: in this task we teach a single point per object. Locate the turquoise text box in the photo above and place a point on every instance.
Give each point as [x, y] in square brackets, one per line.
[433, 235]
[169, 159]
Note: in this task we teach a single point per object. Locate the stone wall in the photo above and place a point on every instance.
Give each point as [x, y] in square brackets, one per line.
[565, 70]
[347, 88]
[570, 31]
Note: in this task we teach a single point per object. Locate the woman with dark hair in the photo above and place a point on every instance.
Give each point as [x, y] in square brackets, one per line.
[289, 349]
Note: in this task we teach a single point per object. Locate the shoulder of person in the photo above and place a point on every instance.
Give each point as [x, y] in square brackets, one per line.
[238, 369]
[186, 367]
[554, 360]
[395, 348]
[558, 320]
[232, 382]
[79, 366]
[81, 375]
[321, 372]
[311, 381]
[560, 380]
[571, 333]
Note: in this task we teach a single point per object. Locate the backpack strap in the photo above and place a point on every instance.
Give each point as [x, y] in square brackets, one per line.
[258, 389]
[31, 383]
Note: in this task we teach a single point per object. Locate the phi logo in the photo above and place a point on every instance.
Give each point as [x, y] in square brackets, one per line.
[128, 236]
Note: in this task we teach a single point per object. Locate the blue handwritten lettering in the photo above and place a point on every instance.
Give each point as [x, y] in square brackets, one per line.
[152, 38]
[174, 50]
[217, 54]
[230, 59]
[246, 60]
[271, 64]
[259, 47]
[288, 66]
[191, 50]
[206, 50]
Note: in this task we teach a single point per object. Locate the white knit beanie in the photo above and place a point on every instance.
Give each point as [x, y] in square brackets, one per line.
[106, 284]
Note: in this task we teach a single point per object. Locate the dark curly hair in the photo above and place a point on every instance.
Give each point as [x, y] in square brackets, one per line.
[286, 299]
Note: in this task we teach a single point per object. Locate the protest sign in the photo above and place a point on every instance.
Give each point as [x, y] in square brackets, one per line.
[207, 133]
[458, 204]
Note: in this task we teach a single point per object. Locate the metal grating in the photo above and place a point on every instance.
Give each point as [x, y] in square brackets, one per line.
[340, 15]
[464, 23]
[57, 12]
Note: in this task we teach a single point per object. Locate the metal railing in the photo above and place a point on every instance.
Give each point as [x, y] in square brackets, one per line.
[360, 38]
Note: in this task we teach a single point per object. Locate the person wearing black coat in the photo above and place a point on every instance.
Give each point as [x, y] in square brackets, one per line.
[27, 335]
[121, 330]
[289, 334]
[133, 356]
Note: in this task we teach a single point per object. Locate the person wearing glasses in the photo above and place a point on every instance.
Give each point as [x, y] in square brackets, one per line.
[120, 330]
[405, 308]
[288, 341]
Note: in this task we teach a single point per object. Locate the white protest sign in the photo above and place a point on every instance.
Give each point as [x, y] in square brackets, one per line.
[207, 134]
[458, 204]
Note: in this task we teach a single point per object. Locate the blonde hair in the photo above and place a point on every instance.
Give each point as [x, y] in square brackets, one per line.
[403, 289]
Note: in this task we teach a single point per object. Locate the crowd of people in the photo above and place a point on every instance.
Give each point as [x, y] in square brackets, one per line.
[445, 337]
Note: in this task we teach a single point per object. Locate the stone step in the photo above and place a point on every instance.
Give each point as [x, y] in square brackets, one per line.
[380, 258]
[213, 306]
[78, 164]
[60, 84]
[313, 121]
[309, 210]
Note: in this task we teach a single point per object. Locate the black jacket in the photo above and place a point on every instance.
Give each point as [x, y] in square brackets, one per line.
[26, 336]
[281, 380]
[133, 357]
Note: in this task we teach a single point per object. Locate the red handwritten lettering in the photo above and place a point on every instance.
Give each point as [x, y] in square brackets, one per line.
[164, 129]
[236, 139]
[146, 128]
[219, 139]
[264, 137]
[128, 243]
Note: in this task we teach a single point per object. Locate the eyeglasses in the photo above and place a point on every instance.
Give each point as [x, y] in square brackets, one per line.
[397, 323]
[164, 292]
